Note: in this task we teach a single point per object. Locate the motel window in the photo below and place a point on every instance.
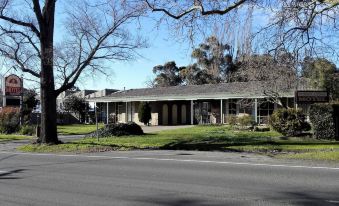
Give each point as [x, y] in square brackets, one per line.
[232, 107]
[265, 110]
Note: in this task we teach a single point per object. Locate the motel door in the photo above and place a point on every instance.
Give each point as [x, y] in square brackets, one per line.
[165, 114]
[174, 114]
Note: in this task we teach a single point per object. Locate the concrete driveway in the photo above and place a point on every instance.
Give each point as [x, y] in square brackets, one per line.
[152, 129]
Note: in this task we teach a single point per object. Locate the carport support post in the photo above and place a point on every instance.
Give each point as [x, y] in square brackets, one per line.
[126, 116]
[256, 110]
[192, 112]
[96, 119]
[107, 114]
[221, 113]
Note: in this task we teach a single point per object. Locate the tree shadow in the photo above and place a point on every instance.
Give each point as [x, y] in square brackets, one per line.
[223, 143]
[178, 201]
[7, 157]
[306, 199]
[8, 175]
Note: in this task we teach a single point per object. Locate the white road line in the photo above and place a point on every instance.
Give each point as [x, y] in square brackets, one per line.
[176, 160]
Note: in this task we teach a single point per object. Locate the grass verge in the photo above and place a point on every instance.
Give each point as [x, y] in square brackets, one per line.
[9, 137]
[205, 138]
[77, 129]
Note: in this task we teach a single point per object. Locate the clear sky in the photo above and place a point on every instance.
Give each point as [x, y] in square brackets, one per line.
[162, 48]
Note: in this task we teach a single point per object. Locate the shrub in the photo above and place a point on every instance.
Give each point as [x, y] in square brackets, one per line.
[27, 130]
[9, 120]
[232, 120]
[322, 120]
[289, 121]
[119, 129]
[144, 113]
[245, 121]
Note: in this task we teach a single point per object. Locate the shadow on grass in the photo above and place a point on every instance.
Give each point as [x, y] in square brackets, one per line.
[205, 142]
[223, 144]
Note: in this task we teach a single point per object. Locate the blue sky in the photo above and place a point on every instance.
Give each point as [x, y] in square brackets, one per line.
[162, 48]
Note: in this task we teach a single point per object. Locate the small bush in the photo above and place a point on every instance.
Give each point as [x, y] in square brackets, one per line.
[322, 120]
[119, 129]
[245, 121]
[289, 122]
[232, 120]
[9, 120]
[27, 130]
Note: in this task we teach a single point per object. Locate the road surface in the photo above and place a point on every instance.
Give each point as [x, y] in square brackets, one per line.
[167, 178]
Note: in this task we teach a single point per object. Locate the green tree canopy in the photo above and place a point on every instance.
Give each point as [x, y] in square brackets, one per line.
[76, 105]
[322, 74]
[167, 75]
[214, 58]
[29, 102]
[318, 71]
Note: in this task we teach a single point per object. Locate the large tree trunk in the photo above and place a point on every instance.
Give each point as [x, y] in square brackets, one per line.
[48, 116]
[47, 90]
[48, 98]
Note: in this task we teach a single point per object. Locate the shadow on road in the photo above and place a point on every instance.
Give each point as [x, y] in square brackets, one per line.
[179, 201]
[9, 174]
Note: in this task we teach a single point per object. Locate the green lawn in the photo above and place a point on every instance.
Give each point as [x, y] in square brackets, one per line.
[10, 137]
[75, 129]
[206, 138]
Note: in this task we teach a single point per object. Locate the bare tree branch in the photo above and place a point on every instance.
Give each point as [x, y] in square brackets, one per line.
[198, 6]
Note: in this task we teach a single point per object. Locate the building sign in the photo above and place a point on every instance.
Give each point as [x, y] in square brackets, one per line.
[13, 85]
[309, 97]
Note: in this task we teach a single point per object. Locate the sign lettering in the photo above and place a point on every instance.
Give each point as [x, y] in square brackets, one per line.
[309, 97]
[13, 85]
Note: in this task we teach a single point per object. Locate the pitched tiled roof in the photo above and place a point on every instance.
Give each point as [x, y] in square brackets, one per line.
[224, 90]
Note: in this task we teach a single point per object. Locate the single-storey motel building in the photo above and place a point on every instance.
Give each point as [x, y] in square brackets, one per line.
[194, 104]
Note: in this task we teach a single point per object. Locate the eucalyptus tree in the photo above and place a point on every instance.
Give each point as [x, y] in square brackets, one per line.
[167, 75]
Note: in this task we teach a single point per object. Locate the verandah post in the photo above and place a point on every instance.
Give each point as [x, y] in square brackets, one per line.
[107, 113]
[192, 112]
[221, 112]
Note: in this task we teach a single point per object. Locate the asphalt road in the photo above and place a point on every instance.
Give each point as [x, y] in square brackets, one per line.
[163, 178]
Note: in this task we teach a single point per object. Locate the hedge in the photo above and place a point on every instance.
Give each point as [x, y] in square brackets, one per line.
[322, 120]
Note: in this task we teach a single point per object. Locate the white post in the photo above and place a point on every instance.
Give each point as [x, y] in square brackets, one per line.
[192, 108]
[237, 106]
[287, 103]
[96, 119]
[107, 114]
[221, 113]
[256, 110]
[126, 115]
[227, 109]
[132, 111]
